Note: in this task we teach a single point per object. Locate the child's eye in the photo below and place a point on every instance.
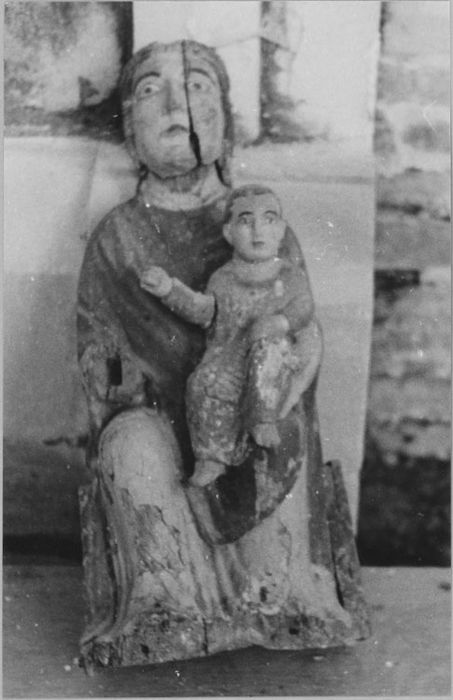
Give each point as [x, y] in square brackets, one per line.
[245, 219]
[270, 218]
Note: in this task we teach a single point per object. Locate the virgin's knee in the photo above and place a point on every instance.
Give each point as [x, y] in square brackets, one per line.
[128, 426]
[136, 440]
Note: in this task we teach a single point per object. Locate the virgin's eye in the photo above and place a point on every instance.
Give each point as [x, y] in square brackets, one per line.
[147, 89]
[195, 85]
[270, 218]
[245, 219]
[199, 83]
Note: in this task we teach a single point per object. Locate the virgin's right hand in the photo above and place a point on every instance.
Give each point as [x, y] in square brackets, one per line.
[156, 281]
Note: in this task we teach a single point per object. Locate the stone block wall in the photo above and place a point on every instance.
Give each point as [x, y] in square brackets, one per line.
[62, 63]
[404, 515]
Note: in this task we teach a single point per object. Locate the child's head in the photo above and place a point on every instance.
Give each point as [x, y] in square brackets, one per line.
[253, 223]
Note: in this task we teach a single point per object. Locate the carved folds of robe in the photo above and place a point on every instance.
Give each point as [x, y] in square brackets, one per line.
[265, 555]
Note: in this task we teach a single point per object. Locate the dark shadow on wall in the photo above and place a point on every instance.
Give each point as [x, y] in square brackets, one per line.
[42, 550]
[404, 515]
[41, 519]
[404, 512]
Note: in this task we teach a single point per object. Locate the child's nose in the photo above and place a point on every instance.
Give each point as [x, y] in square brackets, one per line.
[257, 231]
[255, 228]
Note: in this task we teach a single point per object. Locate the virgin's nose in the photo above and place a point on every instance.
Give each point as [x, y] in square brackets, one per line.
[174, 98]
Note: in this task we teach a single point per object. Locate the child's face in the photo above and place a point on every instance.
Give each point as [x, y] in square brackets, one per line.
[256, 227]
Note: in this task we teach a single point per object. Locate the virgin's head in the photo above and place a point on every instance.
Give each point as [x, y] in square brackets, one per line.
[176, 109]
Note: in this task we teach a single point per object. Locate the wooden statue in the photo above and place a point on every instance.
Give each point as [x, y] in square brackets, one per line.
[249, 540]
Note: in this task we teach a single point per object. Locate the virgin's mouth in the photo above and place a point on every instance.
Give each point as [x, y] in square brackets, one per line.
[175, 129]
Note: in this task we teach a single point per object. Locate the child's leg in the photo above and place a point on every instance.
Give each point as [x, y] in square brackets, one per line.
[214, 421]
[265, 434]
[269, 380]
[206, 471]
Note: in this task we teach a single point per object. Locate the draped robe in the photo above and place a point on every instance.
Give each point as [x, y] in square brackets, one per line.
[266, 554]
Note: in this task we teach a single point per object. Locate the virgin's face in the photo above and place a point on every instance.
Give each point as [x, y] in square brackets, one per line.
[166, 96]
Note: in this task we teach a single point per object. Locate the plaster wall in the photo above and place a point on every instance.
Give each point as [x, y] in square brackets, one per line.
[332, 72]
[47, 186]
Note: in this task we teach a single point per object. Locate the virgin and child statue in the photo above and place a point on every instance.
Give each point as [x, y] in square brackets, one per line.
[191, 548]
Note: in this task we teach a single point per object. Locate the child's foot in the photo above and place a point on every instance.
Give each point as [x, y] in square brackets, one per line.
[266, 435]
[206, 472]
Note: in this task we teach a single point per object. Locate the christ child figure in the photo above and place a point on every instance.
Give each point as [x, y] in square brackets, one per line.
[254, 308]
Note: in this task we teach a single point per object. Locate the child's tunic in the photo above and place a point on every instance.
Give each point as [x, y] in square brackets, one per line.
[240, 383]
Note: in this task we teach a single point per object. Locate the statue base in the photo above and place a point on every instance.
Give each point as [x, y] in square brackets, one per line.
[330, 610]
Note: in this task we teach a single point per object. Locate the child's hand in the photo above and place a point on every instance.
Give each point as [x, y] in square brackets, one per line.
[156, 281]
[276, 326]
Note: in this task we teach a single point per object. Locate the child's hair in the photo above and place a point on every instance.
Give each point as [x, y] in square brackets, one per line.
[246, 191]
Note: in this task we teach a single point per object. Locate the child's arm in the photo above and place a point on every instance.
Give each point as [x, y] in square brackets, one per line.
[291, 309]
[178, 297]
[299, 309]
